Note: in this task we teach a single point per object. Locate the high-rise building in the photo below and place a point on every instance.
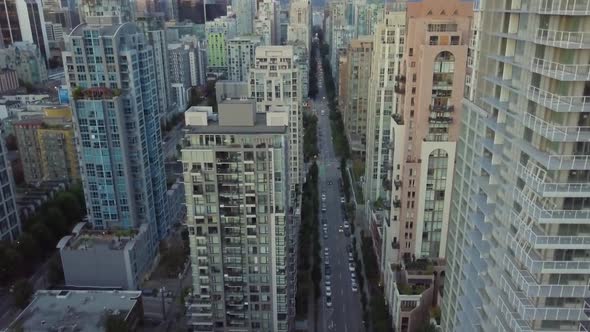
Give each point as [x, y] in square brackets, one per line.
[219, 31]
[180, 78]
[267, 22]
[197, 56]
[106, 12]
[366, 16]
[300, 22]
[301, 58]
[23, 21]
[241, 55]
[388, 48]
[155, 31]
[518, 234]
[201, 11]
[274, 82]
[10, 227]
[245, 11]
[26, 59]
[110, 71]
[355, 96]
[236, 179]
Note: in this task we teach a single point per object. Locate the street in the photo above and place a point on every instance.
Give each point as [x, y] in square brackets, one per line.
[345, 312]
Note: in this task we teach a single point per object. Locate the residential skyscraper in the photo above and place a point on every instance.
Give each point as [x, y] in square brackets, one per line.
[241, 55]
[236, 179]
[179, 73]
[23, 20]
[355, 97]
[245, 11]
[10, 227]
[26, 59]
[388, 48]
[267, 22]
[106, 12]
[219, 31]
[300, 22]
[518, 248]
[110, 71]
[274, 82]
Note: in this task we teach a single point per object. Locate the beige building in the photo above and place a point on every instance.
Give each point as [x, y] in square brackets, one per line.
[300, 22]
[275, 83]
[424, 134]
[47, 146]
[356, 92]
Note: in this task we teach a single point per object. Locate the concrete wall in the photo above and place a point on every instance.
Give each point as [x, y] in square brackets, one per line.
[95, 267]
[237, 113]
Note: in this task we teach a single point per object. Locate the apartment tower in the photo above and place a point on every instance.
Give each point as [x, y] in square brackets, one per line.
[518, 242]
[110, 71]
[236, 184]
[275, 82]
[10, 227]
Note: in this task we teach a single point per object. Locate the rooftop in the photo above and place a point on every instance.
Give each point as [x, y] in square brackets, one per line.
[69, 310]
[84, 238]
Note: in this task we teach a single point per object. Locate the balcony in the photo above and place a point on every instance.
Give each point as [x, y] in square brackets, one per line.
[398, 119]
[399, 89]
[441, 108]
[556, 133]
[560, 71]
[550, 216]
[400, 78]
[396, 203]
[440, 119]
[556, 161]
[538, 239]
[559, 103]
[563, 39]
[536, 180]
[562, 7]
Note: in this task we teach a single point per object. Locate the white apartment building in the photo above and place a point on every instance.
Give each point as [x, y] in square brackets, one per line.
[518, 248]
[275, 82]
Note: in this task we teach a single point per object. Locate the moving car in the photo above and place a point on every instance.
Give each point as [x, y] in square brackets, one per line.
[328, 301]
[328, 291]
[327, 282]
[342, 200]
[351, 267]
[340, 229]
[354, 287]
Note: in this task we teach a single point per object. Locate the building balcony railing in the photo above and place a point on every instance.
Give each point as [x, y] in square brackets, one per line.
[442, 108]
[550, 216]
[400, 89]
[562, 7]
[530, 287]
[535, 263]
[537, 238]
[560, 71]
[563, 39]
[400, 78]
[556, 133]
[556, 161]
[399, 120]
[548, 189]
[559, 103]
[440, 119]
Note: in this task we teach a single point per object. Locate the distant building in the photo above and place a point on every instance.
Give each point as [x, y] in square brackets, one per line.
[179, 74]
[267, 22]
[79, 310]
[231, 90]
[26, 60]
[23, 21]
[245, 11]
[218, 33]
[241, 56]
[8, 80]
[10, 227]
[47, 146]
[176, 203]
[300, 22]
[105, 258]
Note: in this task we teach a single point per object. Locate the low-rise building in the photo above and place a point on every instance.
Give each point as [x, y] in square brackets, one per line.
[79, 310]
[8, 80]
[105, 258]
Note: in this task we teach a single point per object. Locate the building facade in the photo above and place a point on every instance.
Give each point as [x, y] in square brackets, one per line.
[517, 249]
[245, 11]
[180, 75]
[388, 48]
[10, 227]
[26, 60]
[356, 92]
[241, 56]
[8, 80]
[218, 33]
[267, 22]
[117, 121]
[300, 27]
[236, 184]
[275, 82]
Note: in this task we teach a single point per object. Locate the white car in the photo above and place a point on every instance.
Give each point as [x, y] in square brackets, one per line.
[340, 229]
[328, 282]
[351, 267]
[342, 200]
[354, 287]
[328, 291]
[346, 224]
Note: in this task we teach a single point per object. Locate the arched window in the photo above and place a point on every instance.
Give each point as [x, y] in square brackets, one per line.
[444, 62]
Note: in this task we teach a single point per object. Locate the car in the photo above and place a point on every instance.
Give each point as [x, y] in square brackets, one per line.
[340, 230]
[328, 301]
[325, 236]
[353, 276]
[323, 208]
[346, 224]
[327, 282]
[328, 291]
[354, 287]
[325, 227]
[349, 248]
[342, 200]
[329, 183]
[351, 267]
[324, 97]
[328, 271]
[350, 256]
[323, 198]
[326, 251]
[324, 221]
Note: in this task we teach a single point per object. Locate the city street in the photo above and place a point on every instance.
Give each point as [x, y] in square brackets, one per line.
[345, 312]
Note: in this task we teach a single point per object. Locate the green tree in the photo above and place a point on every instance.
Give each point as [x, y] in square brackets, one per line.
[115, 323]
[56, 221]
[29, 248]
[43, 235]
[22, 292]
[55, 272]
[70, 207]
[10, 264]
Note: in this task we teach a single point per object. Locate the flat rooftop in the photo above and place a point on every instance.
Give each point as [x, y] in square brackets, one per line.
[260, 127]
[70, 310]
